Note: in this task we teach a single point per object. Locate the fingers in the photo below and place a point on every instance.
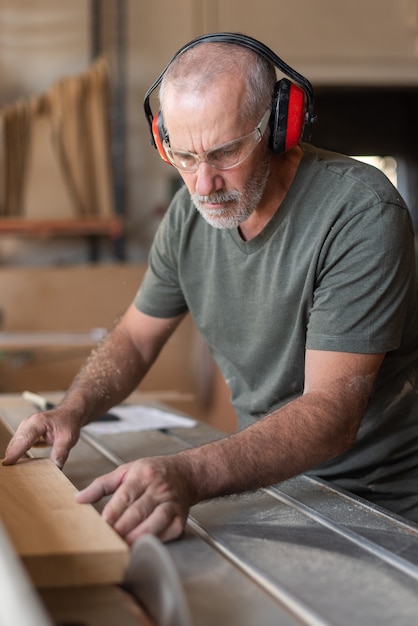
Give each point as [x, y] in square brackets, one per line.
[52, 427]
[164, 522]
[132, 518]
[127, 508]
[142, 502]
[25, 437]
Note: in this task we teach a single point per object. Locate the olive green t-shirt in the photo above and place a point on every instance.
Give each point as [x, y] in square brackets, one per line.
[334, 269]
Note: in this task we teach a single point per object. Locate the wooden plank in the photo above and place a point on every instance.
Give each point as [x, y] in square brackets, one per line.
[61, 542]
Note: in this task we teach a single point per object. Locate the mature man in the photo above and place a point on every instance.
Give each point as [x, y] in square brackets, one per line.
[298, 269]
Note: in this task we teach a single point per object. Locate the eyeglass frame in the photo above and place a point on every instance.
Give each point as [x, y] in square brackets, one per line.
[202, 156]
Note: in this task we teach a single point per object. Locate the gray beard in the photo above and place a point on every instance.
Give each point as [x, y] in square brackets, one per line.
[237, 206]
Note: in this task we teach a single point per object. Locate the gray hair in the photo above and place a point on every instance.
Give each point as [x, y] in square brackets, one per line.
[201, 65]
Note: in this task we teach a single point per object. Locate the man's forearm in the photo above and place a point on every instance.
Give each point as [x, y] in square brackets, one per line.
[118, 364]
[300, 436]
[110, 374]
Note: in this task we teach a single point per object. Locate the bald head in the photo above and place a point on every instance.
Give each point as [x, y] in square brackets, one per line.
[197, 70]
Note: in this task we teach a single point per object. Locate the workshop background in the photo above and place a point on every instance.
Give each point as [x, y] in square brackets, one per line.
[82, 192]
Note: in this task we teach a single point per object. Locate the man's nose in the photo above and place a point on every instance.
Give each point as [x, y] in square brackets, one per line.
[208, 179]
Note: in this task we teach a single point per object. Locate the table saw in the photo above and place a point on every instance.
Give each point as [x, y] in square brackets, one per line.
[300, 552]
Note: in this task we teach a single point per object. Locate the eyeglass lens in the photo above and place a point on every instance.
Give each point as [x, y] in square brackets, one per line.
[222, 157]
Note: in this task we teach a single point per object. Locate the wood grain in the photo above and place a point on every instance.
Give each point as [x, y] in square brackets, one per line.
[61, 542]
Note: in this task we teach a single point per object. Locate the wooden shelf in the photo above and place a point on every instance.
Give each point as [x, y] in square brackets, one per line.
[80, 226]
[92, 228]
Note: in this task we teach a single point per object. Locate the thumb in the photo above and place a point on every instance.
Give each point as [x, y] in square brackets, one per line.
[100, 487]
[60, 451]
[59, 458]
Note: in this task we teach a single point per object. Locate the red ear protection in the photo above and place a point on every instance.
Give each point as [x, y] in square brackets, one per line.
[296, 115]
[158, 133]
[287, 116]
[292, 112]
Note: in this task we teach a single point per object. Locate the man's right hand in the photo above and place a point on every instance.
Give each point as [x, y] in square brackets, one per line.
[53, 427]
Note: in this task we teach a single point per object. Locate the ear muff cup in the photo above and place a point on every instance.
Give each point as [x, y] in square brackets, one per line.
[287, 116]
[159, 133]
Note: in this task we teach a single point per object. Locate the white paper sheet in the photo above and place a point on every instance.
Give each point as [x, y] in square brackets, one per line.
[139, 417]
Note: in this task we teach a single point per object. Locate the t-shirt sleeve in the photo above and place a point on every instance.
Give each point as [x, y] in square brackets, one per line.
[160, 293]
[363, 284]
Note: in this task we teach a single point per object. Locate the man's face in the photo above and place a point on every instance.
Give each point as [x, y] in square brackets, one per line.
[198, 123]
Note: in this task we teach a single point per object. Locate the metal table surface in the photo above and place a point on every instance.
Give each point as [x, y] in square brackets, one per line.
[300, 552]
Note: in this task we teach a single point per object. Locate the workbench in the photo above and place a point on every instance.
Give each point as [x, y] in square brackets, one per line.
[300, 552]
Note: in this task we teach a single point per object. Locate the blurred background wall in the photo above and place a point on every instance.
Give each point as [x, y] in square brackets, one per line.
[361, 56]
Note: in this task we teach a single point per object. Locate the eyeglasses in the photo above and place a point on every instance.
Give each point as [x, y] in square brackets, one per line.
[223, 157]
